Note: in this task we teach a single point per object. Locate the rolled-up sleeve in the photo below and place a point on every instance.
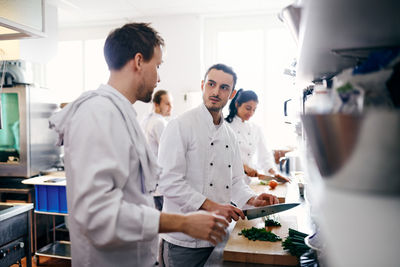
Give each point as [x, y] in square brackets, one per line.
[172, 159]
[98, 155]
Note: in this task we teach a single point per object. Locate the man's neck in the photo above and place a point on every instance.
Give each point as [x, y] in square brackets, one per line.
[123, 85]
[216, 115]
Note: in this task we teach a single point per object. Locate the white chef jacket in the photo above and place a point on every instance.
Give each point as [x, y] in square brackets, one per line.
[112, 219]
[253, 148]
[153, 127]
[199, 161]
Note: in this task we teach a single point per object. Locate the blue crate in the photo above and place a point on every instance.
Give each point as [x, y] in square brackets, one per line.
[51, 198]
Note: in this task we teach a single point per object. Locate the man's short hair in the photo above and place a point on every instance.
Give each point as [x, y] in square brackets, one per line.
[157, 96]
[124, 43]
[225, 69]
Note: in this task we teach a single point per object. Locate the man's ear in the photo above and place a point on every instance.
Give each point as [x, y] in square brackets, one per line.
[202, 85]
[233, 94]
[137, 61]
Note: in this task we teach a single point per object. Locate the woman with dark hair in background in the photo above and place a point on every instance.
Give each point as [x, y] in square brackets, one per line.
[254, 151]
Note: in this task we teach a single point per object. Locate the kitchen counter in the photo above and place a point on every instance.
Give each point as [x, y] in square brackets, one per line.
[8, 210]
[303, 221]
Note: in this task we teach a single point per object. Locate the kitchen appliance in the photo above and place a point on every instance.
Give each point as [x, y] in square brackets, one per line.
[15, 225]
[267, 210]
[27, 145]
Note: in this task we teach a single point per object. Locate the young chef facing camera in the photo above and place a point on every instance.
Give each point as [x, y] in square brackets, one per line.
[202, 168]
[110, 169]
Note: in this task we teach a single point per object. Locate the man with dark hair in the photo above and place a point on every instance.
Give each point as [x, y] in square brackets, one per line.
[202, 168]
[153, 126]
[110, 169]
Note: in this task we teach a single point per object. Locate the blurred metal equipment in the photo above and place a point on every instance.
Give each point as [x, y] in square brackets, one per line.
[357, 152]
[291, 16]
[27, 145]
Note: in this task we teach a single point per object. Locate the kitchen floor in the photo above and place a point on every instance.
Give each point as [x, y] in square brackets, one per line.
[48, 262]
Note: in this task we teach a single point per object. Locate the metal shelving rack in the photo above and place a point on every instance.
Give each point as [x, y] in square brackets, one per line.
[58, 248]
[50, 201]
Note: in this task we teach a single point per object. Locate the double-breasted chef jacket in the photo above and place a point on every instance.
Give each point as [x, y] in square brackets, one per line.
[199, 161]
[253, 147]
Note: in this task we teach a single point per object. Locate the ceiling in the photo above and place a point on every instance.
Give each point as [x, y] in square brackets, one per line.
[98, 12]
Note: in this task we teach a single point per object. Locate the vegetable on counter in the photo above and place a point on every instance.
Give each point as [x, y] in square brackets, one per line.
[271, 221]
[261, 234]
[295, 243]
[272, 184]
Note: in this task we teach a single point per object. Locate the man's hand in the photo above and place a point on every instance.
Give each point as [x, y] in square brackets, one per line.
[263, 199]
[227, 211]
[206, 226]
[249, 171]
[202, 225]
[281, 178]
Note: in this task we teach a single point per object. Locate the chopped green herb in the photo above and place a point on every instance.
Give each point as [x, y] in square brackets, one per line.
[269, 221]
[261, 234]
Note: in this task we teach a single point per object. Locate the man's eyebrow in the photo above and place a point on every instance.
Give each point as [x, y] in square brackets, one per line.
[212, 81]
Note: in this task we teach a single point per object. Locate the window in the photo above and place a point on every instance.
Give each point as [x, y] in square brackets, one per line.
[79, 66]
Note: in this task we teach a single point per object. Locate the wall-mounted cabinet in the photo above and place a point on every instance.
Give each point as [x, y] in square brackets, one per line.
[335, 34]
[21, 19]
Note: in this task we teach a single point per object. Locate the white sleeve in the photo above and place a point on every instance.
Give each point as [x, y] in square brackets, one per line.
[172, 159]
[265, 158]
[157, 131]
[99, 158]
[241, 192]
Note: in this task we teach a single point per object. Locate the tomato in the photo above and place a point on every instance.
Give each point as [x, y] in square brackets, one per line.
[272, 184]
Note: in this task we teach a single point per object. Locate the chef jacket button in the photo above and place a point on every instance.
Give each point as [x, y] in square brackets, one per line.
[212, 144]
[238, 132]
[211, 163]
[248, 154]
[249, 133]
[226, 146]
[249, 144]
[227, 187]
[211, 184]
[229, 165]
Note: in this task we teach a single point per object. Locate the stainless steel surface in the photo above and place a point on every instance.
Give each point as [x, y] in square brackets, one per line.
[291, 15]
[357, 152]
[332, 139]
[268, 210]
[8, 210]
[58, 249]
[37, 142]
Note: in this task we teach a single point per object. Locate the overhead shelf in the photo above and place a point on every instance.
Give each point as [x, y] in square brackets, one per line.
[333, 34]
[21, 19]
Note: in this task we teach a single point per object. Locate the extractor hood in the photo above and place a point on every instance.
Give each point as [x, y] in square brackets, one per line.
[21, 19]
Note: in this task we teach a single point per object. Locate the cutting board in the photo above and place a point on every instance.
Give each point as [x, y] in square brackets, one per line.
[280, 191]
[241, 249]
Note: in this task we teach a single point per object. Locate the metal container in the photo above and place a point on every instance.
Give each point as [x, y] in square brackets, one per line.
[357, 152]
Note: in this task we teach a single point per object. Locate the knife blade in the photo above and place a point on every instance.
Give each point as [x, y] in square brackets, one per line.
[267, 210]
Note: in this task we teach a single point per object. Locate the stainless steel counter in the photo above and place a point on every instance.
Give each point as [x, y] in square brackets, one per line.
[8, 210]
